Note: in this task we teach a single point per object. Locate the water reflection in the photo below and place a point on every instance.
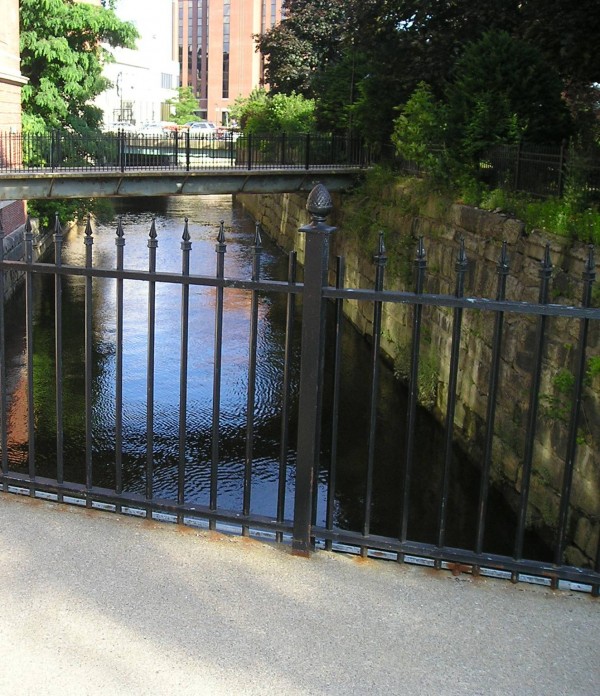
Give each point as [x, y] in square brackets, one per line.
[204, 215]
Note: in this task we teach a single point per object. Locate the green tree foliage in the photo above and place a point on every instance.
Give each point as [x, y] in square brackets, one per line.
[262, 112]
[186, 105]
[404, 42]
[336, 90]
[501, 90]
[63, 50]
[62, 54]
[420, 127]
[306, 42]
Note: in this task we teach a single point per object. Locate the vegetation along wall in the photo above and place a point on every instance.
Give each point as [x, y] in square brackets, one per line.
[404, 216]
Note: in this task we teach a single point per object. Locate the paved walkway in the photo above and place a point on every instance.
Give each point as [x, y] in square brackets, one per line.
[98, 603]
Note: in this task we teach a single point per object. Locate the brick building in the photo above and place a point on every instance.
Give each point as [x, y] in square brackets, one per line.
[12, 213]
[217, 52]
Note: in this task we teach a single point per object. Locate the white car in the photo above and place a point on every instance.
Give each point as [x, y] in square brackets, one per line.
[202, 128]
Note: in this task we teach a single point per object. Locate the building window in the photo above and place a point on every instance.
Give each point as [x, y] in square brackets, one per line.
[226, 37]
[273, 12]
[166, 81]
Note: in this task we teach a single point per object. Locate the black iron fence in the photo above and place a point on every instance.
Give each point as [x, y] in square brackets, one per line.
[60, 150]
[538, 170]
[311, 299]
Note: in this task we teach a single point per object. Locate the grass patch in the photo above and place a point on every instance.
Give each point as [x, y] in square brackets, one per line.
[566, 217]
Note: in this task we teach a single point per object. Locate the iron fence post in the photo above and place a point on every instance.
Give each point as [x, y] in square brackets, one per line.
[307, 152]
[187, 150]
[461, 269]
[561, 168]
[121, 140]
[88, 348]
[3, 389]
[52, 149]
[589, 275]
[518, 165]
[316, 263]
[29, 300]
[420, 264]
[58, 350]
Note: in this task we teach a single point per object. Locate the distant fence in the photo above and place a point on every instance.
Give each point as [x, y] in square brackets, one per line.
[64, 150]
[539, 170]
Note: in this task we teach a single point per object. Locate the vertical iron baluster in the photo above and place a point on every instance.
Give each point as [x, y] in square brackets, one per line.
[380, 262]
[29, 348]
[3, 385]
[88, 241]
[420, 264]
[285, 390]
[335, 406]
[186, 246]
[545, 273]
[58, 351]
[502, 269]
[257, 251]
[120, 244]
[596, 588]
[461, 269]
[589, 276]
[152, 245]
[220, 249]
[310, 407]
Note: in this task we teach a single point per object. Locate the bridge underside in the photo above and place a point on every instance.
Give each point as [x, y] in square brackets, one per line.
[114, 184]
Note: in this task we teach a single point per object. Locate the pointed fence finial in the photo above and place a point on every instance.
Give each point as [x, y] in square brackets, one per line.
[420, 250]
[381, 255]
[220, 246]
[590, 264]
[503, 265]
[120, 231]
[461, 259]
[546, 261]
[221, 235]
[153, 234]
[57, 226]
[186, 232]
[257, 237]
[88, 226]
[28, 227]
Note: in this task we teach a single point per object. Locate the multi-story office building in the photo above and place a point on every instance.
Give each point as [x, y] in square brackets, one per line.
[217, 49]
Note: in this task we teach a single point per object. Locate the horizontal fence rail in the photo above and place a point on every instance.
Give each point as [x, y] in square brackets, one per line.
[313, 453]
[174, 150]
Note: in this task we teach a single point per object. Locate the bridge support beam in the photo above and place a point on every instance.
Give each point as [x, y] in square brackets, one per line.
[48, 185]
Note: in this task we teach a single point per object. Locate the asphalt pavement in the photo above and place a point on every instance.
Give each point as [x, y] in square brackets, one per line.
[101, 603]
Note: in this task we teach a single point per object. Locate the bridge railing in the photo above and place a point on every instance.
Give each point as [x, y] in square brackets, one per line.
[316, 452]
[63, 150]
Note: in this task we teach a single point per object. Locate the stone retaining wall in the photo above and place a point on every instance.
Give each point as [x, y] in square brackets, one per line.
[483, 233]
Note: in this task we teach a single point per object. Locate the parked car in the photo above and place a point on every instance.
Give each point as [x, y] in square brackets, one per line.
[202, 128]
[119, 126]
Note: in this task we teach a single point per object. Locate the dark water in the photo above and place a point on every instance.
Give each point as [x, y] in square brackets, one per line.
[204, 214]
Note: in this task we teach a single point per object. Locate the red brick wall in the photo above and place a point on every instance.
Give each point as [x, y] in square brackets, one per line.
[12, 215]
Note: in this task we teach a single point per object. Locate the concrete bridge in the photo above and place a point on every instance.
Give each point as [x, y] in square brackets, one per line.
[69, 165]
[64, 183]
